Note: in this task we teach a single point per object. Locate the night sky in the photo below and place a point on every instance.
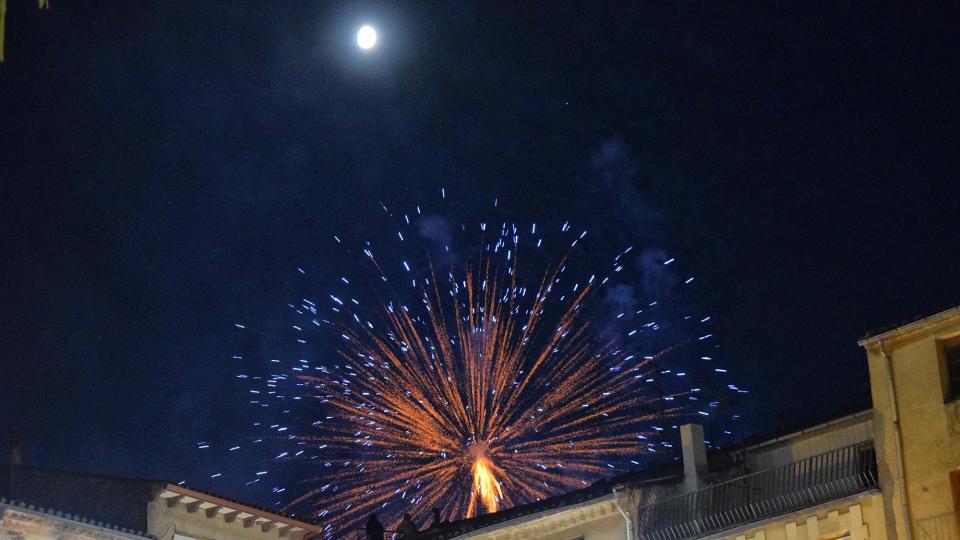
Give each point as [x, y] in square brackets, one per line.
[166, 165]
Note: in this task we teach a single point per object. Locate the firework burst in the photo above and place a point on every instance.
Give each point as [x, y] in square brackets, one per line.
[483, 391]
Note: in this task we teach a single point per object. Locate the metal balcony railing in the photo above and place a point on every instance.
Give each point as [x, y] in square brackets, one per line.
[765, 494]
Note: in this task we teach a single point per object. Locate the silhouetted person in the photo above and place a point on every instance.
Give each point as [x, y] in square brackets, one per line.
[436, 519]
[407, 528]
[374, 528]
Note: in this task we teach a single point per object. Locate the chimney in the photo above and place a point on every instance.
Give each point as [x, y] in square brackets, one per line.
[15, 458]
[694, 457]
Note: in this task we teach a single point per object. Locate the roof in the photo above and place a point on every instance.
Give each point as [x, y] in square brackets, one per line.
[859, 412]
[908, 327]
[65, 518]
[122, 501]
[110, 499]
[862, 415]
[598, 490]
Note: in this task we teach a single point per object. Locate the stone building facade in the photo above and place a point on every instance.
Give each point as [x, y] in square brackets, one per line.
[915, 385]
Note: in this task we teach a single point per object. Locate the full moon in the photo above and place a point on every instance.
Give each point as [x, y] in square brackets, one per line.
[366, 37]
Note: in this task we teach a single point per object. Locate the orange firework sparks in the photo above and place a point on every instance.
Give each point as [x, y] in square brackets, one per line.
[477, 387]
[479, 403]
[486, 488]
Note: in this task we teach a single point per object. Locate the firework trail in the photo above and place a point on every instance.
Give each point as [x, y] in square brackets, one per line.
[492, 386]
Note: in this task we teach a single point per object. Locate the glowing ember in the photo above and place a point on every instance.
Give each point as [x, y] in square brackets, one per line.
[486, 488]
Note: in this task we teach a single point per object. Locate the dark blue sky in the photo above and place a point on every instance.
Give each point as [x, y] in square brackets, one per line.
[165, 164]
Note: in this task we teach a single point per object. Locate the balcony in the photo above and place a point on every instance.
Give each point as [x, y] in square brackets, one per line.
[761, 495]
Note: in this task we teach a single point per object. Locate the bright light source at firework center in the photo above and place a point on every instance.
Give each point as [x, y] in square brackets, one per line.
[366, 37]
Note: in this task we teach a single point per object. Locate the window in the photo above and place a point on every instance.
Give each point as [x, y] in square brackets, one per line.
[950, 351]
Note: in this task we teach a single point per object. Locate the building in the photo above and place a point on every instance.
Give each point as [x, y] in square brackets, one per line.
[891, 471]
[48, 504]
[915, 386]
[888, 472]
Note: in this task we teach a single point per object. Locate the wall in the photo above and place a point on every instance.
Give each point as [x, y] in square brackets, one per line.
[608, 528]
[118, 501]
[930, 429]
[20, 524]
[597, 519]
[817, 440]
[858, 518]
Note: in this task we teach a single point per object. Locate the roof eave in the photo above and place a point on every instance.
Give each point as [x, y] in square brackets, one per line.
[911, 328]
[550, 511]
[537, 515]
[237, 506]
